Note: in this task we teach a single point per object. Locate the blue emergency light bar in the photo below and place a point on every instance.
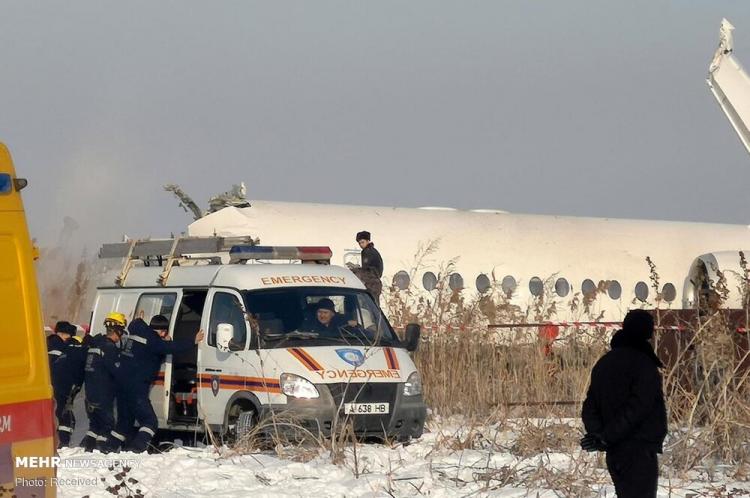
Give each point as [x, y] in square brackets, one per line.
[243, 253]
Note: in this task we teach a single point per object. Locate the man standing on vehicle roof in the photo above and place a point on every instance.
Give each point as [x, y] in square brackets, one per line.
[67, 379]
[143, 351]
[372, 265]
[100, 372]
[624, 412]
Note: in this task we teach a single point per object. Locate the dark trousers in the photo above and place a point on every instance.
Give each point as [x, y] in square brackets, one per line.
[66, 421]
[134, 405]
[100, 410]
[634, 471]
[375, 287]
[372, 282]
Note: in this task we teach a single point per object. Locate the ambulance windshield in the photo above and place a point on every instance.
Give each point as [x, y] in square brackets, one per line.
[317, 316]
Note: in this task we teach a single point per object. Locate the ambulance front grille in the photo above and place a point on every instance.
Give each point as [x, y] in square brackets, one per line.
[369, 392]
[366, 393]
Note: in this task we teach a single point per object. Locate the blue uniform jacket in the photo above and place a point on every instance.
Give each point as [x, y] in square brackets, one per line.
[102, 367]
[55, 348]
[68, 370]
[143, 352]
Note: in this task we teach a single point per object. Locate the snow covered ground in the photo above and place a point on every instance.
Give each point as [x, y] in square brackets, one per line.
[512, 459]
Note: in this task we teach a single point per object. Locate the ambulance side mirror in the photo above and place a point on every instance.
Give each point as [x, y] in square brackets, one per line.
[224, 334]
[411, 339]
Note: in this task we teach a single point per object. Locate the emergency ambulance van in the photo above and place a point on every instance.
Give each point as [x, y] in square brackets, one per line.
[265, 352]
[26, 410]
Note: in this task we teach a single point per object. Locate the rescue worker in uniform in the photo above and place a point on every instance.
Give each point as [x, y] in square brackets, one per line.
[624, 412]
[143, 351]
[67, 379]
[372, 265]
[56, 342]
[101, 370]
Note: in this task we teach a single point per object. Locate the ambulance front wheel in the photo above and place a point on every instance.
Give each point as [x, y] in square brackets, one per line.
[245, 424]
[240, 421]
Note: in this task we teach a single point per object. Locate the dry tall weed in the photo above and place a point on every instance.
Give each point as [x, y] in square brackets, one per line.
[470, 369]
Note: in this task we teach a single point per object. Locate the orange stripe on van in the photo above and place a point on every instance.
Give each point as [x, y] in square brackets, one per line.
[159, 380]
[305, 358]
[391, 359]
[237, 382]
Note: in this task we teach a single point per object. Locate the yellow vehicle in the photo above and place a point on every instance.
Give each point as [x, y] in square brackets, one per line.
[27, 424]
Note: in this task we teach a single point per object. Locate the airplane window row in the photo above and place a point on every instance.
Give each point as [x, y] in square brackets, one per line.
[562, 287]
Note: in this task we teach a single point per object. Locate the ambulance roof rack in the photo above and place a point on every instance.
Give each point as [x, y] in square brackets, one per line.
[172, 249]
[306, 254]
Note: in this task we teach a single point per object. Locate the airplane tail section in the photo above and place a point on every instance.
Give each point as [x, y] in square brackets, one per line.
[730, 84]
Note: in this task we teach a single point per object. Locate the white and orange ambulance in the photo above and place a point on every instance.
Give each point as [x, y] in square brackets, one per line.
[264, 355]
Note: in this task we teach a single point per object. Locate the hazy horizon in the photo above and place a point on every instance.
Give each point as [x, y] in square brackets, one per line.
[582, 109]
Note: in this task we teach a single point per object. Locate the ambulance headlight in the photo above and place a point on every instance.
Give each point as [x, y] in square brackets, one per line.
[297, 387]
[413, 386]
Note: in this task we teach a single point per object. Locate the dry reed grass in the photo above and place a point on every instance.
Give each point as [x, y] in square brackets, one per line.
[492, 374]
[476, 371]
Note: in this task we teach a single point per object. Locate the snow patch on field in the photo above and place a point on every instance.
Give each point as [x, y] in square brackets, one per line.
[453, 459]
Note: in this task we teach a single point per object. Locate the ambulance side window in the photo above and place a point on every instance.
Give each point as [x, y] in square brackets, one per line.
[367, 313]
[226, 308]
[156, 304]
[104, 304]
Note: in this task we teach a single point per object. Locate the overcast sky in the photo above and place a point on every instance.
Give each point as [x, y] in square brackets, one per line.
[576, 108]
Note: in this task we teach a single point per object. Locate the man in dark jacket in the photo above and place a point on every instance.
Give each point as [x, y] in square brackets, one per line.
[372, 265]
[100, 371]
[56, 342]
[143, 351]
[67, 379]
[624, 412]
[326, 321]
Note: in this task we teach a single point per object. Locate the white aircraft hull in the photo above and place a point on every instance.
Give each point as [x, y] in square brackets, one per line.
[498, 244]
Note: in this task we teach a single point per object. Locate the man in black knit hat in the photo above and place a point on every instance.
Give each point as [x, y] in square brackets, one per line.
[624, 412]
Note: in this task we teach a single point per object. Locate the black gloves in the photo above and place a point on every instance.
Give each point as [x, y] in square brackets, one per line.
[593, 442]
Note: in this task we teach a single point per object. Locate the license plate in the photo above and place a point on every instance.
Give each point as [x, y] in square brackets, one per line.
[366, 408]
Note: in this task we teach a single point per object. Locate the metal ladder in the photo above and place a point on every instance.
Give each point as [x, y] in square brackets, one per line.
[172, 249]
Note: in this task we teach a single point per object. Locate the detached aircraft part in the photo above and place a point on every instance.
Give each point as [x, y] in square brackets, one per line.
[705, 274]
[730, 84]
[186, 202]
[236, 197]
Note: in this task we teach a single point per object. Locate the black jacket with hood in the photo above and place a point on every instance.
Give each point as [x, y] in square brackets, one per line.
[625, 403]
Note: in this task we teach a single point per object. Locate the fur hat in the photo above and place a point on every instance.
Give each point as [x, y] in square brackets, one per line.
[61, 326]
[65, 328]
